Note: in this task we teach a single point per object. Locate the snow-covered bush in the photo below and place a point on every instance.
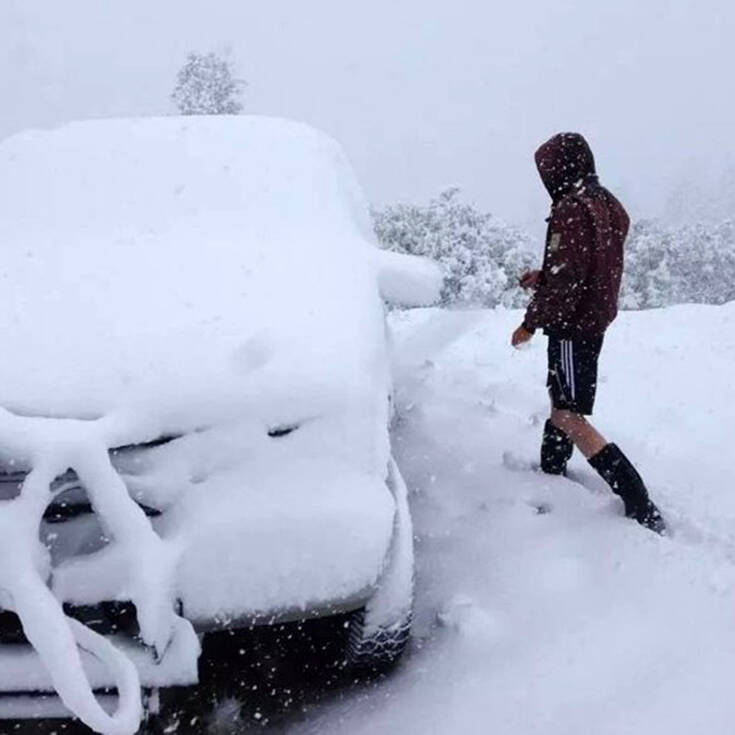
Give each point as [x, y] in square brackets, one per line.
[693, 263]
[482, 257]
[480, 254]
[205, 86]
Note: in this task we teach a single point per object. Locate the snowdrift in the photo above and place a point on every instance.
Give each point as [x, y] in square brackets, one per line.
[541, 609]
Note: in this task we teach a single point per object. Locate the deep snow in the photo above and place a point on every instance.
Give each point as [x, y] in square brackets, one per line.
[573, 620]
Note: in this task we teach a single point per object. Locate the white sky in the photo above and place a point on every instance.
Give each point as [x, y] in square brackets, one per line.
[422, 94]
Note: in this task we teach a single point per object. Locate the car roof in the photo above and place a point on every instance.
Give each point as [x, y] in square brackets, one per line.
[149, 262]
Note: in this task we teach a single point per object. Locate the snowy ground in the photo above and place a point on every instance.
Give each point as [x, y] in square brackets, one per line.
[573, 620]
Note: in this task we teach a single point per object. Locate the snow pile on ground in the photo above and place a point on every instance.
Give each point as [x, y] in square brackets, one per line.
[540, 609]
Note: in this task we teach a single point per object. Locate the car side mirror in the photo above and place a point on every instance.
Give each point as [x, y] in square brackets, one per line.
[408, 280]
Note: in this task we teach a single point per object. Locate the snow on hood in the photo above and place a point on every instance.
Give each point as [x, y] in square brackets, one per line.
[186, 267]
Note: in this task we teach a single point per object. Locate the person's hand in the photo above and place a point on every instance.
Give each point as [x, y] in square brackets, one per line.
[529, 279]
[520, 336]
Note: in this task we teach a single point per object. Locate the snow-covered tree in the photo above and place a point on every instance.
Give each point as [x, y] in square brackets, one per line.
[481, 255]
[205, 86]
[693, 263]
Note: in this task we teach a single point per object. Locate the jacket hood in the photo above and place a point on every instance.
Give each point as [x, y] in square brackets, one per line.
[564, 161]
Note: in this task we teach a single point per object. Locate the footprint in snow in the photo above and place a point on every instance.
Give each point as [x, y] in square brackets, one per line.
[587, 480]
[465, 617]
[516, 463]
[596, 485]
[541, 507]
[254, 353]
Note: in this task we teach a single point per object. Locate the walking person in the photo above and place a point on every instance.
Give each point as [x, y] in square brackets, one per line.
[575, 299]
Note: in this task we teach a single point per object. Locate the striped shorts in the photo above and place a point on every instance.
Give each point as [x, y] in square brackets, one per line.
[572, 376]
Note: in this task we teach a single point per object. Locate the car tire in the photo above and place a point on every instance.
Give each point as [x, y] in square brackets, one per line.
[376, 651]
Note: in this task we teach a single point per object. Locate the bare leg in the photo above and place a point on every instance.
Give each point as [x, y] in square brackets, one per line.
[613, 466]
[586, 438]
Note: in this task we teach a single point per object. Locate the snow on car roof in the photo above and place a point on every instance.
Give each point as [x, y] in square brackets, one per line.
[183, 264]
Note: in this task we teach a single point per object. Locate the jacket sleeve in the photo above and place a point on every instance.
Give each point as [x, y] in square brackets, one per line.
[566, 263]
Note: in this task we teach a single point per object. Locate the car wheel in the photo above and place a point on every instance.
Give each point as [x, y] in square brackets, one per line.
[376, 650]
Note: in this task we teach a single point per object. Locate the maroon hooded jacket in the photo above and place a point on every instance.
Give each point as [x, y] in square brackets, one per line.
[577, 293]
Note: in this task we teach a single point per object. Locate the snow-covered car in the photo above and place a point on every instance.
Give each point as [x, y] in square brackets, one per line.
[194, 405]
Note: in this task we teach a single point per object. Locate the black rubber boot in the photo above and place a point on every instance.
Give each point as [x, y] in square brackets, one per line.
[556, 450]
[623, 478]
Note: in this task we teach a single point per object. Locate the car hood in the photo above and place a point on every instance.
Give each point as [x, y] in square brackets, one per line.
[260, 525]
